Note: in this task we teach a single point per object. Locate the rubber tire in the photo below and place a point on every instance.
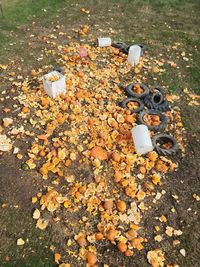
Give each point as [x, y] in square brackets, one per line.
[158, 128]
[130, 93]
[163, 151]
[161, 90]
[59, 69]
[125, 49]
[153, 96]
[124, 103]
[122, 47]
[164, 106]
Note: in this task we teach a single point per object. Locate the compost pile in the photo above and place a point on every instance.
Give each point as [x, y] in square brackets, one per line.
[95, 187]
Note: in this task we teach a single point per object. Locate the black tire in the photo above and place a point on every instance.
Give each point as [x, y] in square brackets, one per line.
[156, 98]
[124, 103]
[163, 138]
[164, 106]
[157, 128]
[125, 49]
[122, 47]
[129, 92]
[59, 69]
[158, 89]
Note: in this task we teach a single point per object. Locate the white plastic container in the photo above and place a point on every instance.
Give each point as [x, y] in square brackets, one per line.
[141, 139]
[56, 88]
[134, 55]
[103, 42]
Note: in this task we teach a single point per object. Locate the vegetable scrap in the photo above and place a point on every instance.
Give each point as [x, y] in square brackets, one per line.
[156, 258]
[5, 143]
[20, 242]
[82, 148]
[53, 78]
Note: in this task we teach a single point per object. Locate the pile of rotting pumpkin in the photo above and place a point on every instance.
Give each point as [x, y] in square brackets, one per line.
[83, 149]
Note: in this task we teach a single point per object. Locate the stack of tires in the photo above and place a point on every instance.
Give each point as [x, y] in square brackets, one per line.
[152, 101]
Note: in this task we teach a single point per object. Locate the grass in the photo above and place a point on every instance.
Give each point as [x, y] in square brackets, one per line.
[157, 23]
[35, 252]
[188, 242]
[21, 12]
[18, 13]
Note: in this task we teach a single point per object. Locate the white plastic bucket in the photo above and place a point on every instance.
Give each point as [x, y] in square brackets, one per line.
[103, 42]
[54, 88]
[141, 139]
[134, 55]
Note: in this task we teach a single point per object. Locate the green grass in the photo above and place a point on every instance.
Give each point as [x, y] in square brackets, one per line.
[24, 12]
[34, 253]
[157, 23]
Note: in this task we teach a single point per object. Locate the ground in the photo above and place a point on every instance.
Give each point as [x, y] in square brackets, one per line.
[159, 25]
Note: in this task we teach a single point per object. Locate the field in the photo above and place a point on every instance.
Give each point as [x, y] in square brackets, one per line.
[171, 31]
